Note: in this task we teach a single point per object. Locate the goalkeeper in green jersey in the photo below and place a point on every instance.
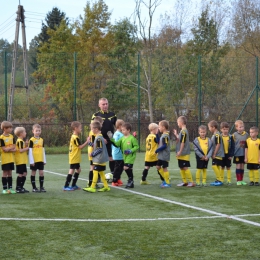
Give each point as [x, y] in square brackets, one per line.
[128, 145]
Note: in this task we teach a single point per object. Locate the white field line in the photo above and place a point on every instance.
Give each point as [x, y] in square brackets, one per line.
[217, 214]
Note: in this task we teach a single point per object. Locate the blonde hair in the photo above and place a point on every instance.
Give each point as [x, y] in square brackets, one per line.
[98, 119]
[18, 130]
[75, 124]
[36, 126]
[183, 119]
[6, 124]
[239, 122]
[96, 124]
[119, 122]
[153, 126]
[165, 124]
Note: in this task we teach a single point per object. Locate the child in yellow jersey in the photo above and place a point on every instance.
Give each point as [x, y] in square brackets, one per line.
[7, 157]
[229, 148]
[203, 149]
[21, 159]
[37, 157]
[74, 157]
[252, 156]
[150, 155]
[100, 158]
[90, 150]
[183, 152]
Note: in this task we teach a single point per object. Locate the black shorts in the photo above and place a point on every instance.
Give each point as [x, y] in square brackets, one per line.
[163, 164]
[99, 168]
[8, 167]
[150, 164]
[202, 164]
[217, 162]
[252, 166]
[183, 163]
[90, 162]
[109, 149]
[129, 165]
[226, 162]
[37, 166]
[75, 166]
[238, 159]
[21, 168]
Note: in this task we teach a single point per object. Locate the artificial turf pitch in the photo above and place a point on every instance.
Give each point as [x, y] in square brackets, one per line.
[146, 222]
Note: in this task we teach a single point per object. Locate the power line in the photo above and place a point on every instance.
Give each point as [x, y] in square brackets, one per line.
[7, 19]
[7, 28]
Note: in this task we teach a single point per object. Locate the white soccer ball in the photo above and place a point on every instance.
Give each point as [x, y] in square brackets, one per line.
[109, 177]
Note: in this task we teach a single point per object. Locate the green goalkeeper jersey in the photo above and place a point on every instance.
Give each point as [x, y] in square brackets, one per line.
[127, 143]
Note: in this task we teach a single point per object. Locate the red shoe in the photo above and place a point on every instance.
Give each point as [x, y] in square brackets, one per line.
[120, 183]
[115, 184]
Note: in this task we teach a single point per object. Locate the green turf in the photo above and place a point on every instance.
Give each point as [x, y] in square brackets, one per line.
[123, 224]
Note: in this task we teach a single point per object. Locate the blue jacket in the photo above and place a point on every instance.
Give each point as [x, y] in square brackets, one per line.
[116, 151]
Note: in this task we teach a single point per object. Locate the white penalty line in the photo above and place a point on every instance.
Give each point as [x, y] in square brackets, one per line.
[234, 217]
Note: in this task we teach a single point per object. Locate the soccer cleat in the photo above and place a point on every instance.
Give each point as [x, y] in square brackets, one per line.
[256, 183]
[239, 183]
[115, 184]
[25, 191]
[216, 183]
[42, 189]
[19, 190]
[120, 183]
[251, 183]
[130, 184]
[198, 184]
[165, 185]
[191, 184]
[90, 189]
[75, 187]
[35, 190]
[104, 189]
[182, 184]
[204, 184]
[12, 191]
[5, 192]
[144, 182]
[67, 189]
[243, 183]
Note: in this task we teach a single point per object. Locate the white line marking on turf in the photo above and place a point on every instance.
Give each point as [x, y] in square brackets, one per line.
[178, 203]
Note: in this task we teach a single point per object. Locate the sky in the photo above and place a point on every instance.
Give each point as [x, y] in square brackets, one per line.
[36, 10]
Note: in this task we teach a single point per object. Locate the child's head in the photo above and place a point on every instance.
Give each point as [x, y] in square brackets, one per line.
[95, 127]
[202, 131]
[98, 119]
[163, 126]
[181, 121]
[153, 128]
[240, 127]
[253, 132]
[119, 123]
[20, 132]
[76, 127]
[224, 127]
[126, 129]
[213, 126]
[36, 129]
[7, 127]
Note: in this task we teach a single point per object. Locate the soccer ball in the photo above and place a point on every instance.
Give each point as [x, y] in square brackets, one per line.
[109, 177]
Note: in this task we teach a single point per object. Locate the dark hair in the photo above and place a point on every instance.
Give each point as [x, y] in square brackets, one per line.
[183, 119]
[213, 123]
[127, 126]
[165, 124]
[96, 124]
[75, 124]
[224, 125]
[254, 128]
[203, 127]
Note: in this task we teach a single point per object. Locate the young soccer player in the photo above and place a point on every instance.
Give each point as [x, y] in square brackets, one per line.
[183, 152]
[203, 152]
[7, 157]
[99, 157]
[21, 159]
[229, 147]
[218, 152]
[252, 156]
[37, 157]
[163, 152]
[128, 145]
[240, 137]
[151, 158]
[74, 157]
[117, 155]
[90, 150]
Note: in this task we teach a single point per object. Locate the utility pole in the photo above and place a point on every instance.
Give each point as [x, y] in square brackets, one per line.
[20, 19]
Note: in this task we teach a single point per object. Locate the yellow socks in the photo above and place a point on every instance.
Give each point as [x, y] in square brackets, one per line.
[167, 177]
[183, 176]
[229, 175]
[216, 171]
[204, 176]
[161, 172]
[95, 178]
[103, 178]
[221, 173]
[188, 175]
[198, 175]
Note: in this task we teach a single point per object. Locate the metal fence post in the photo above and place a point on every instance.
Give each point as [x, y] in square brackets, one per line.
[139, 105]
[75, 88]
[199, 88]
[257, 88]
[6, 105]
